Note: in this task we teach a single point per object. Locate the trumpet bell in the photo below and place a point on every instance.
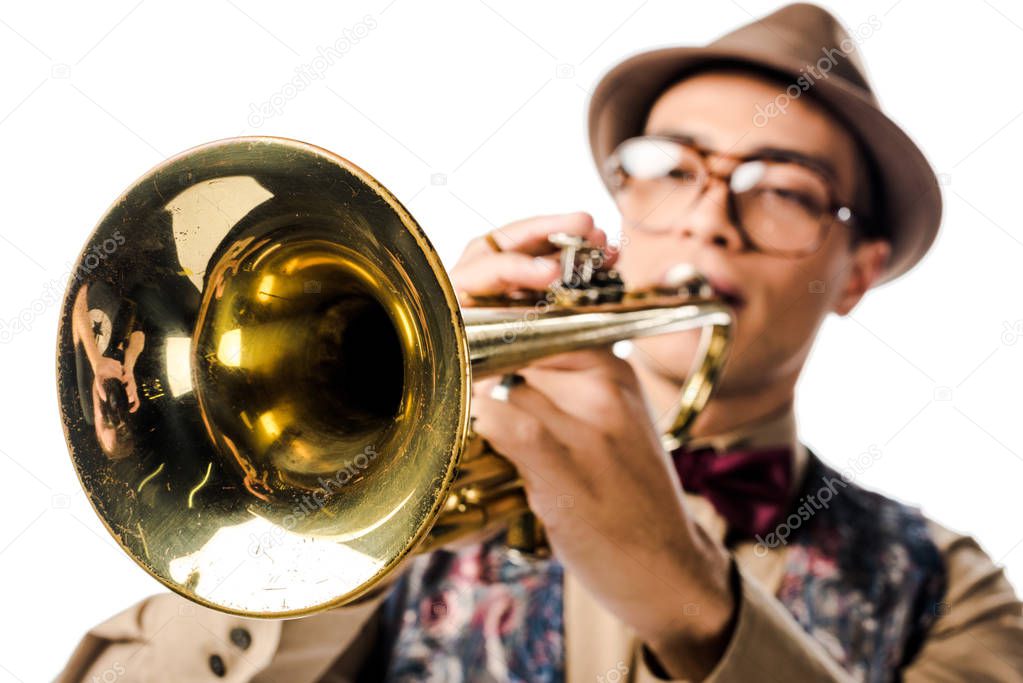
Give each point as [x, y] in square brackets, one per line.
[296, 371]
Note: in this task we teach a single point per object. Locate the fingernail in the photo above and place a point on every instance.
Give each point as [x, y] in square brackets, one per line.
[543, 265]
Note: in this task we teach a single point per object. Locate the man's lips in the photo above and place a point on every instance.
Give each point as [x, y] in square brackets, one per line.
[722, 287]
[729, 293]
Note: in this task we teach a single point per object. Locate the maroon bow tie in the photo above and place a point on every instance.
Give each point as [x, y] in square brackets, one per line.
[749, 488]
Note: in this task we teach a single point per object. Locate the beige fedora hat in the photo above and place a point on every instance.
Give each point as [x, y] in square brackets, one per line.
[808, 45]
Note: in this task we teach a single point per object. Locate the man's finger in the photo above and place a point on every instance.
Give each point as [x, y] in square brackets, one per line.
[520, 437]
[491, 274]
[567, 428]
[599, 360]
[529, 235]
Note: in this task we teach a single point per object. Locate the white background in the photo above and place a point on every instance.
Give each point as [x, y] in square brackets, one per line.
[472, 113]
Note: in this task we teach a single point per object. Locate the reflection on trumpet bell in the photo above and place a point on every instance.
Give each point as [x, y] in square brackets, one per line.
[316, 375]
[311, 426]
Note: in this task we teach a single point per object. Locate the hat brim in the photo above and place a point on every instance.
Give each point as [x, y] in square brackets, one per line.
[911, 195]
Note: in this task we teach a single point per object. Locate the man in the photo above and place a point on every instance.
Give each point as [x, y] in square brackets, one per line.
[764, 161]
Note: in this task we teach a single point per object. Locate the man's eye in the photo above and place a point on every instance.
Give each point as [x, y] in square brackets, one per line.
[682, 174]
[795, 197]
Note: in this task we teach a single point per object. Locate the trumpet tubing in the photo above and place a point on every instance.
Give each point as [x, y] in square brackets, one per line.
[305, 420]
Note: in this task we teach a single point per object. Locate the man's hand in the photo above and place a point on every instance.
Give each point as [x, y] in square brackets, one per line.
[580, 433]
[527, 261]
[106, 368]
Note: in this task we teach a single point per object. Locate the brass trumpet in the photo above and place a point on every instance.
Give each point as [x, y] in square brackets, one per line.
[264, 376]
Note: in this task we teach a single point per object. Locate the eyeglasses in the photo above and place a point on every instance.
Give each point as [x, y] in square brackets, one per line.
[780, 203]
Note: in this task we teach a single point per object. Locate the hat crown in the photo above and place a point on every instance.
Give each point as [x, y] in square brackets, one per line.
[804, 33]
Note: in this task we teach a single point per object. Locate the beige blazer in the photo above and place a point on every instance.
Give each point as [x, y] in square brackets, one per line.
[979, 636]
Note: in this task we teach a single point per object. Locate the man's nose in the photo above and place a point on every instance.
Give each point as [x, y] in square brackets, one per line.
[709, 219]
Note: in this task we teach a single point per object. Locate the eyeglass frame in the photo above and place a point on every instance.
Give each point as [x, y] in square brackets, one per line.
[835, 210]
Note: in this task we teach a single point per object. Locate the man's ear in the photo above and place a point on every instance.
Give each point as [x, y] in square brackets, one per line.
[869, 259]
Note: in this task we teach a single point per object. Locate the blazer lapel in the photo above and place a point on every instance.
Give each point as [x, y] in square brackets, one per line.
[596, 642]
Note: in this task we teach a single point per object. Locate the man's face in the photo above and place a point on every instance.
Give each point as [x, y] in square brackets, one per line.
[781, 300]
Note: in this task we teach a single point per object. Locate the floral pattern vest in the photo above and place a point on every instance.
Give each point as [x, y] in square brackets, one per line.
[862, 577]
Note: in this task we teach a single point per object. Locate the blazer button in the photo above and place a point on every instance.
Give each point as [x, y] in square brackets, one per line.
[241, 637]
[217, 666]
